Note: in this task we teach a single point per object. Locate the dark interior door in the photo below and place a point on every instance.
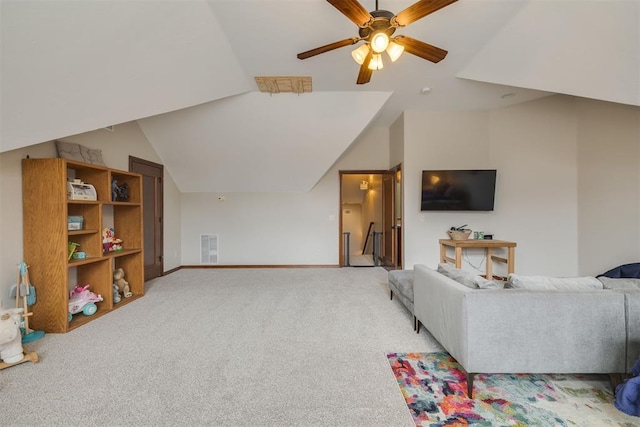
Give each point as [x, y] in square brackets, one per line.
[152, 211]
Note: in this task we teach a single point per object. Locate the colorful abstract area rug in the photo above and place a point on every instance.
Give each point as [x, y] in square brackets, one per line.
[435, 389]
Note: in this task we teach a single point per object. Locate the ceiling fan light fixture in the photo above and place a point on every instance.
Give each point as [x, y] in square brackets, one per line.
[360, 54]
[394, 50]
[376, 62]
[379, 42]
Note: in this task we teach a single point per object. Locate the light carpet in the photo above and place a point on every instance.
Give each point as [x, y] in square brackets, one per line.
[435, 389]
[226, 347]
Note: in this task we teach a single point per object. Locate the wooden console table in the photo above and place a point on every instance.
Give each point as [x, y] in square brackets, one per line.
[487, 245]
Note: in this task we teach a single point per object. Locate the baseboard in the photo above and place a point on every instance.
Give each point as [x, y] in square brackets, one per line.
[173, 270]
[261, 266]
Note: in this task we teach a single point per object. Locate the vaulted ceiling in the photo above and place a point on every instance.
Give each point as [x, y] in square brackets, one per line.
[184, 69]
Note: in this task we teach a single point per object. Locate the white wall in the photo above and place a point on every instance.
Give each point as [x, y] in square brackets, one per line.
[279, 228]
[567, 186]
[608, 185]
[533, 150]
[396, 142]
[439, 140]
[127, 139]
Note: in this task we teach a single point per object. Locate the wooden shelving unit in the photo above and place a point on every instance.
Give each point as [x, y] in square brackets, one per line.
[45, 212]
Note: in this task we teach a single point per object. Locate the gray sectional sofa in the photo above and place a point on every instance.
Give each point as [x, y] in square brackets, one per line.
[529, 331]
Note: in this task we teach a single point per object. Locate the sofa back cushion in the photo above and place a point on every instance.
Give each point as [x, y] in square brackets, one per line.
[587, 283]
[467, 278]
[461, 276]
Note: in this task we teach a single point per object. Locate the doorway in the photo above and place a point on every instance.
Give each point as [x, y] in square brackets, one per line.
[152, 212]
[368, 219]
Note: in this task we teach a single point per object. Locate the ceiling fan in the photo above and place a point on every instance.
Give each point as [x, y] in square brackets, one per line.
[376, 29]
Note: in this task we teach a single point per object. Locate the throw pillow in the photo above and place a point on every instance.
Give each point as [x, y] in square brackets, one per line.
[619, 283]
[588, 283]
[79, 153]
[92, 155]
[483, 283]
[68, 150]
[461, 276]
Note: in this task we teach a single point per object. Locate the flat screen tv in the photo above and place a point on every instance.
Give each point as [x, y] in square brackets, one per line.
[458, 190]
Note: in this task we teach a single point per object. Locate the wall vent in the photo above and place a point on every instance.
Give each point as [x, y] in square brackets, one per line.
[208, 249]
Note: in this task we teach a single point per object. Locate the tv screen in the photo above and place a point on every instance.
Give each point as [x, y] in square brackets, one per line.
[458, 190]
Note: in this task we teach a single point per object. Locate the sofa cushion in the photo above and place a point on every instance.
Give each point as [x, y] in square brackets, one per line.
[587, 283]
[402, 281]
[463, 277]
[619, 283]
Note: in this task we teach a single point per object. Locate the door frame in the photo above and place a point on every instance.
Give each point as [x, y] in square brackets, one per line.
[341, 174]
[158, 269]
[398, 205]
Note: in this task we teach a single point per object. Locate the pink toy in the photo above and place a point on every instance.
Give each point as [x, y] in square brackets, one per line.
[81, 299]
[110, 243]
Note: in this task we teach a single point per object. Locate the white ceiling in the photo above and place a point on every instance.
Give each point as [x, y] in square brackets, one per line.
[184, 69]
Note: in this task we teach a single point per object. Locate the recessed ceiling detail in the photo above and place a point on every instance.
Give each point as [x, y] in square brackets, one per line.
[291, 84]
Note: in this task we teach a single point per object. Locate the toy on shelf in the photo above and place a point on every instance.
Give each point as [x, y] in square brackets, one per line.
[72, 248]
[11, 350]
[81, 299]
[123, 285]
[119, 193]
[110, 243]
[25, 294]
[116, 294]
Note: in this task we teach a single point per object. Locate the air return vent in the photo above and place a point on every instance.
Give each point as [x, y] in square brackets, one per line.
[208, 249]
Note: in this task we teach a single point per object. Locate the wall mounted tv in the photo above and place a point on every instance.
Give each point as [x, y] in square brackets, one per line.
[458, 190]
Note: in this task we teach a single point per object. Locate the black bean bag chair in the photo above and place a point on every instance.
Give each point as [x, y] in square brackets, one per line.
[625, 271]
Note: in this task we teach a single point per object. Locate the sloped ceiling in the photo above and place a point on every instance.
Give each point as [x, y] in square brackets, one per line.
[184, 69]
[73, 66]
[258, 142]
[599, 59]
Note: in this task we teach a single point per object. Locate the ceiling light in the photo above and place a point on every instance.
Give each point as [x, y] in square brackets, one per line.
[394, 50]
[379, 42]
[376, 62]
[364, 185]
[360, 54]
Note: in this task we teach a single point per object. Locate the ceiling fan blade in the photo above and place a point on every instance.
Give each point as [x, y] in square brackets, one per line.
[421, 49]
[364, 75]
[328, 47]
[419, 10]
[353, 10]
